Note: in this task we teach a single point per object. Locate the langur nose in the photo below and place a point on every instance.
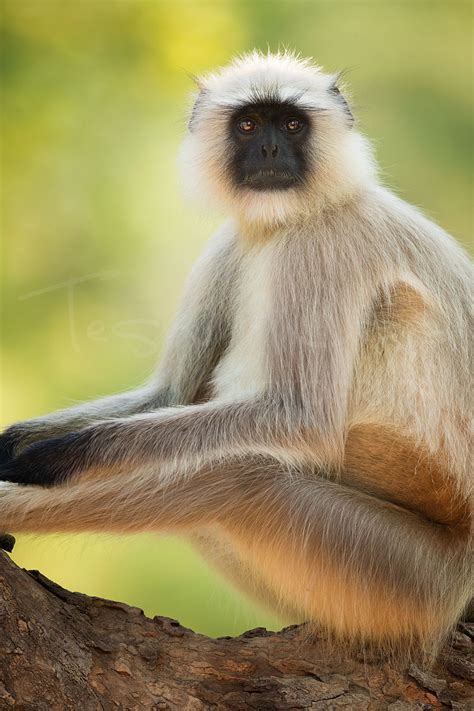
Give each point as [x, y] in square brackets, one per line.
[270, 149]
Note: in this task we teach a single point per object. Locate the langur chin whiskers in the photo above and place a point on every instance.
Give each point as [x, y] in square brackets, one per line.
[7, 487]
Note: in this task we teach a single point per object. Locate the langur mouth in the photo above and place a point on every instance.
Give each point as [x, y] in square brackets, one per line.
[269, 179]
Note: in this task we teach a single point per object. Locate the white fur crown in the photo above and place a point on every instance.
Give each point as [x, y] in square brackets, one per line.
[257, 76]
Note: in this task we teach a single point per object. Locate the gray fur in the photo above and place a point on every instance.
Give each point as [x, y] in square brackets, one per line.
[284, 329]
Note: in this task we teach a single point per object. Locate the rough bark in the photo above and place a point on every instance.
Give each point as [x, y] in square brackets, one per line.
[61, 650]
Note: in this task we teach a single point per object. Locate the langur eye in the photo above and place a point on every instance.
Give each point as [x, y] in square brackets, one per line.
[293, 125]
[246, 125]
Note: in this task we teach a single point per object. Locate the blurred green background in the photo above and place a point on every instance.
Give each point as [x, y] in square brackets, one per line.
[97, 242]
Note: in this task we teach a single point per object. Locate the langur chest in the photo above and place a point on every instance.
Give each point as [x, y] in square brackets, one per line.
[243, 369]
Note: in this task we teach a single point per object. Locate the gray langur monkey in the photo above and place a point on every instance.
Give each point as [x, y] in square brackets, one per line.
[308, 426]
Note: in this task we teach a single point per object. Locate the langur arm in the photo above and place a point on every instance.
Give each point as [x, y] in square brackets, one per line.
[22, 434]
[296, 419]
[196, 338]
[187, 435]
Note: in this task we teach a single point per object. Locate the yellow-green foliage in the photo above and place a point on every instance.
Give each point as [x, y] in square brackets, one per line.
[93, 97]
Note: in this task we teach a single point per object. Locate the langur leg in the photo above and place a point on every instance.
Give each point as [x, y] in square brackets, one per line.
[357, 564]
[217, 548]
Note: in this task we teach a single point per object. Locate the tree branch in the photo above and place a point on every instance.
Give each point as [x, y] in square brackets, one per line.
[61, 650]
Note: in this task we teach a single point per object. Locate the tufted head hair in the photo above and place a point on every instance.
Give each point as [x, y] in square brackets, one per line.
[337, 159]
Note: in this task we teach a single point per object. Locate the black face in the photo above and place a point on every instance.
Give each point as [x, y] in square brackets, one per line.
[270, 142]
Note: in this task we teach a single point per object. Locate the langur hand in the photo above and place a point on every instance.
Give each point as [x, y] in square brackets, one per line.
[21, 435]
[53, 461]
[10, 443]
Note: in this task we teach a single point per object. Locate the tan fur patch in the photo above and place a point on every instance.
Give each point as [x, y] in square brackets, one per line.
[382, 462]
[404, 304]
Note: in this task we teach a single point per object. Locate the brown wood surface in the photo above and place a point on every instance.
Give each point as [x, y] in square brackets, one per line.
[61, 650]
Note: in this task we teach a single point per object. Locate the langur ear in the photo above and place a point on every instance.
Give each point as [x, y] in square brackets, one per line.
[334, 90]
[198, 101]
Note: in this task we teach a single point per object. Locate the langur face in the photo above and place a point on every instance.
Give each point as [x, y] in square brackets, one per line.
[269, 144]
[270, 139]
